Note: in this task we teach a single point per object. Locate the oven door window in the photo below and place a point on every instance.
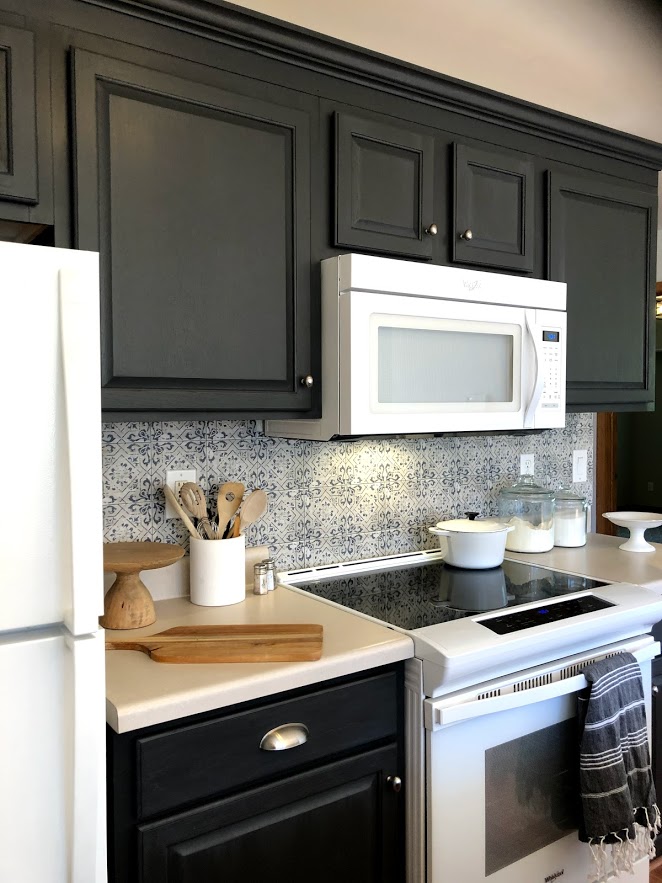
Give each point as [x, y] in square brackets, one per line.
[531, 793]
[502, 798]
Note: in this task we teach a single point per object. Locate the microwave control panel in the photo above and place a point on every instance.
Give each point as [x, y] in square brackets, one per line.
[552, 374]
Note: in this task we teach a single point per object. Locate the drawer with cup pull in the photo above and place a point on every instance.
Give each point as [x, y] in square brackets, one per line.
[194, 762]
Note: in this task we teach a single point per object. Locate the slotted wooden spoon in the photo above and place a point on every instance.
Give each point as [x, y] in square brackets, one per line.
[230, 495]
[192, 496]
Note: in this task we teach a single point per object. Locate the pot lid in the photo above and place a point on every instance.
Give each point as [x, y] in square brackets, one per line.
[468, 525]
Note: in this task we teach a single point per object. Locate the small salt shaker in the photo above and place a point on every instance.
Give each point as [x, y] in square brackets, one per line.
[270, 566]
[260, 579]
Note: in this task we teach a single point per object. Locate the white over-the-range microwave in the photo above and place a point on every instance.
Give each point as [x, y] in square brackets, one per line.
[411, 348]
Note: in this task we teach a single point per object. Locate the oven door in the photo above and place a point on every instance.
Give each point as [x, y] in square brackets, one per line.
[502, 792]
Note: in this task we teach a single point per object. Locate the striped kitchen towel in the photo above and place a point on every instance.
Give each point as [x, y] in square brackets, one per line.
[617, 793]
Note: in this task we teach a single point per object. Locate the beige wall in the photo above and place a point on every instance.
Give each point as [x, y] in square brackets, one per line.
[599, 60]
[596, 59]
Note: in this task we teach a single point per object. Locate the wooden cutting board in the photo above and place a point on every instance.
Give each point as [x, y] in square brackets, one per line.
[289, 642]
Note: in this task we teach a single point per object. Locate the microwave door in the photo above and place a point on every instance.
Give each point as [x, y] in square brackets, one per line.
[412, 365]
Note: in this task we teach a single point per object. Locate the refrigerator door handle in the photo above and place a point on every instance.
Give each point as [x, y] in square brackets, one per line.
[79, 337]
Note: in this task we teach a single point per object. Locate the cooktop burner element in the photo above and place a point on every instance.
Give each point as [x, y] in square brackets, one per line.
[431, 593]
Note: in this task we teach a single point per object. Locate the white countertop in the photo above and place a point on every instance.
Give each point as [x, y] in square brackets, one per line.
[602, 559]
[141, 692]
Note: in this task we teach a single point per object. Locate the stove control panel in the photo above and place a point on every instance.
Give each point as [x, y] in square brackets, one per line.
[527, 619]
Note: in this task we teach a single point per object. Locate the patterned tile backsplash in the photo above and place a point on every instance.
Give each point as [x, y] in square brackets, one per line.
[328, 501]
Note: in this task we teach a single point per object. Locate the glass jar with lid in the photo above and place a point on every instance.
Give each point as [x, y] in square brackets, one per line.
[570, 515]
[530, 508]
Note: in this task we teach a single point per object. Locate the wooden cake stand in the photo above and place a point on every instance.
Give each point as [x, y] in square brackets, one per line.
[128, 603]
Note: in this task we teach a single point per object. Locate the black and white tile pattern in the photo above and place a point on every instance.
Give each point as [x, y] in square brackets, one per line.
[328, 501]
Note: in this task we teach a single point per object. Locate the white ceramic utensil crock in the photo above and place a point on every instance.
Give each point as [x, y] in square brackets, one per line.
[476, 545]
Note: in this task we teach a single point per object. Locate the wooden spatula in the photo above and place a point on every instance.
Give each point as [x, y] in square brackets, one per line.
[289, 642]
[230, 495]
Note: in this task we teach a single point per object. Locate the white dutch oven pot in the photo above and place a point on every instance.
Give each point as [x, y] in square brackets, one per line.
[473, 544]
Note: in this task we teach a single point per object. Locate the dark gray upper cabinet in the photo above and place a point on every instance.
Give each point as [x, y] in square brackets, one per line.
[384, 187]
[601, 237]
[198, 199]
[18, 116]
[493, 208]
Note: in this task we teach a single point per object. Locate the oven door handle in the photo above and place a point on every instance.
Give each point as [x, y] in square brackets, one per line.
[439, 713]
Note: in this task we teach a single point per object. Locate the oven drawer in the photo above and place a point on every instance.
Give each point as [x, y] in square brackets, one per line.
[195, 762]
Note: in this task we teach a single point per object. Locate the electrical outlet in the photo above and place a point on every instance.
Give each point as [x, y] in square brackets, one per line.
[579, 465]
[175, 478]
[526, 464]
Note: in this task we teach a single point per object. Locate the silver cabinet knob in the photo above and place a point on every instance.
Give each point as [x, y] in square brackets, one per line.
[431, 230]
[467, 235]
[307, 381]
[283, 737]
[395, 782]
[656, 689]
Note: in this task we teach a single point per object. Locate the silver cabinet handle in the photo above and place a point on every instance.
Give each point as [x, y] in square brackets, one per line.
[468, 234]
[307, 380]
[283, 737]
[656, 689]
[395, 782]
[431, 230]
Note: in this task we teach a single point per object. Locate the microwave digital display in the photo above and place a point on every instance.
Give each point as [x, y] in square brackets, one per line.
[552, 336]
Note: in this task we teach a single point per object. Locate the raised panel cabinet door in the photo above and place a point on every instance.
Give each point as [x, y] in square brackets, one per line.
[384, 187]
[18, 116]
[339, 822]
[493, 208]
[198, 199]
[602, 245]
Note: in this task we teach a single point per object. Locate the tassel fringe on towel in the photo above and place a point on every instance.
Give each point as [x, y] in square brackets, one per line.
[625, 850]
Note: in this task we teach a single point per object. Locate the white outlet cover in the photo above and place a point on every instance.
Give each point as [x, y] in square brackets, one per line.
[172, 477]
[526, 464]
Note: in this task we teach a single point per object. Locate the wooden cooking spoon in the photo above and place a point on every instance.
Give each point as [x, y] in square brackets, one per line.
[193, 498]
[230, 495]
[253, 507]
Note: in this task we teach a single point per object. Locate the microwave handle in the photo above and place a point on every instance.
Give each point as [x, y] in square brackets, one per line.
[539, 384]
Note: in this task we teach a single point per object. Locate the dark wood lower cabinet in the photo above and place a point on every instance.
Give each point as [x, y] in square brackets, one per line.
[335, 823]
[199, 800]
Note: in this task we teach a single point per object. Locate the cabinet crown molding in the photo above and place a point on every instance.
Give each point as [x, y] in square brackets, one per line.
[243, 28]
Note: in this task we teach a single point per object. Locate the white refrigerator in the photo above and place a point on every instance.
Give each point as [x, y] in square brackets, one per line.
[52, 696]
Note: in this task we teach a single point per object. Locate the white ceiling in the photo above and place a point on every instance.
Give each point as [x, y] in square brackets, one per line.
[599, 60]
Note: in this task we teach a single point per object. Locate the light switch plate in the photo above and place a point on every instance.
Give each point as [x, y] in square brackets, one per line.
[579, 465]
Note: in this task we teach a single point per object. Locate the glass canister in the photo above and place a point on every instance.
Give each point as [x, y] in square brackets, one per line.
[530, 508]
[570, 513]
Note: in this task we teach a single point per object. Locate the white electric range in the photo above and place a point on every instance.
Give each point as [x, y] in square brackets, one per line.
[491, 703]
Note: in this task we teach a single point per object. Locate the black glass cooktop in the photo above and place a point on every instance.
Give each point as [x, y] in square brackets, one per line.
[427, 594]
